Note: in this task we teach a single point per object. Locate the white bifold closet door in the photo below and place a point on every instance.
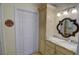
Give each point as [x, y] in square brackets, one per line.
[26, 31]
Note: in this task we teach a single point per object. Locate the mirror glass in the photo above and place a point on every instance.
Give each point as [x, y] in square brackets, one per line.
[67, 27]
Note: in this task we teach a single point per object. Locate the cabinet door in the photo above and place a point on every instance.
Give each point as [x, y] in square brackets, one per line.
[50, 51]
[63, 51]
[59, 53]
[42, 30]
[50, 44]
[50, 48]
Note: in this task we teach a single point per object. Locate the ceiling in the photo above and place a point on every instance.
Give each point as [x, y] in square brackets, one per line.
[65, 4]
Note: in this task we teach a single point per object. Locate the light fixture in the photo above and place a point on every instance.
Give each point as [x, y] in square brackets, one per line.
[58, 14]
[74, 10]
[65, 13]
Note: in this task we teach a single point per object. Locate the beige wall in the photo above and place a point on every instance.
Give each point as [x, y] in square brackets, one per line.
[9, 33]
[51, 21]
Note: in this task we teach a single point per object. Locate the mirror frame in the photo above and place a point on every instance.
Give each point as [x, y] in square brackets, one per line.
[71, 20]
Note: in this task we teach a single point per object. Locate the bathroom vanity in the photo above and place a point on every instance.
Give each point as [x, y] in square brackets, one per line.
[55, 46]
[53, 49]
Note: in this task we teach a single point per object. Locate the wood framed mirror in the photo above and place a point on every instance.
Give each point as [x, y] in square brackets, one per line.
[9, 23]
[68, 27]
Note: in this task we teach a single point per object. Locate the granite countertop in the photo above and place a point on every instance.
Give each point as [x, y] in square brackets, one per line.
[64, 43]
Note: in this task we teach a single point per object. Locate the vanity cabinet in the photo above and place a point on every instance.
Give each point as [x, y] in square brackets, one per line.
[53, 49]
[63, 51]
[50, 48]
[50, 51]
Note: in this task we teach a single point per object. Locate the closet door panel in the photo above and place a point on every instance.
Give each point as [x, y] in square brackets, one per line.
[28, 33]
[19, 32]
[35, 31]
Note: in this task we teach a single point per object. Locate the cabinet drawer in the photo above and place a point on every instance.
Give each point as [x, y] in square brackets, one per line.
[50, 51]
[48, 43]
[64, 51]
[59, 53]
